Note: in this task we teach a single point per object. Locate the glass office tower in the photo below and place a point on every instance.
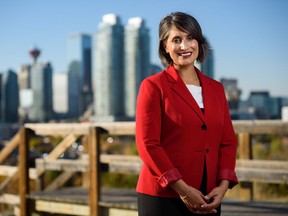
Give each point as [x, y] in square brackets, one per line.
[137, 61]
[41, 84]
[108, 69]
[9, 97]
[79, 74]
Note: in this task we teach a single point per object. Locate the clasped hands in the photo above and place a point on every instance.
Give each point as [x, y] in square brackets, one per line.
[198, 203]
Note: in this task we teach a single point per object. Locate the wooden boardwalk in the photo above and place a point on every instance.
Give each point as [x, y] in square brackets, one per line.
[91, 199]
[126, 199]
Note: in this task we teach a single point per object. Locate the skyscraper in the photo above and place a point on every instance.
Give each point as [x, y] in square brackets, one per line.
[79, 73]
[108, 69]
[137, 61]
[41, 84]
[24, 77]
[9, 97]
[207, 67]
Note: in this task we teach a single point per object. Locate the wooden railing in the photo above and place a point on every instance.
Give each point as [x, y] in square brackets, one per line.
[248, 170]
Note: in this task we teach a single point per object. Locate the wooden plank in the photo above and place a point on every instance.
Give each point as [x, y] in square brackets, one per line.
[117, 128]
[60, 180]
[262, 175]
[132, 164]
[263, 164]
[61, 208]
[59, 129]
[59, 150]
[260, 126]
[78, 165]
[10, 199]
[11, 170]
[9, 147]
[128, 128]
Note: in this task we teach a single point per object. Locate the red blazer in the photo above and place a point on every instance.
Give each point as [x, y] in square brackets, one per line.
[174, 137]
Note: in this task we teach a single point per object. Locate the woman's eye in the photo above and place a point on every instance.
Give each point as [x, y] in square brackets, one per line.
[176, 40]
[190, 38]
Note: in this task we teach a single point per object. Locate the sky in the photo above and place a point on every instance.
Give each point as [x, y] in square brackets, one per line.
[249, 37]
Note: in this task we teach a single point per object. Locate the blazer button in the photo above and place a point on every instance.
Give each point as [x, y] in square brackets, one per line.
[207, 150]
[204, 127]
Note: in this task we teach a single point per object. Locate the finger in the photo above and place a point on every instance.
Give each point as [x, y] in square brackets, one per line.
[211, 205]
[210, 195]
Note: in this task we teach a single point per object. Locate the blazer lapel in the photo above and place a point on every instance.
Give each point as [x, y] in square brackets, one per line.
[207, 93]
[182, 91]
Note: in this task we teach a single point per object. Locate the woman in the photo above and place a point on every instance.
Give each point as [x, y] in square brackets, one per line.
[184, 133]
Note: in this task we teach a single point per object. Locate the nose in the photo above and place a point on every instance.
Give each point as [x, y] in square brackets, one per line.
[183, 45]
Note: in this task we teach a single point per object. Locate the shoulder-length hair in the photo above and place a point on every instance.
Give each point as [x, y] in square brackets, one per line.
[186, 23]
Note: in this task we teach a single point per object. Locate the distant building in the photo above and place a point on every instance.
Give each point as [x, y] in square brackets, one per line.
[284, 113]
[207, 67]
[259, 101]
[24, 77]
[41, 85]
[108, 69]
[79, 73]
[232, 93]
[9, 97]
[137, 61]
[60, 93]
[274, 107]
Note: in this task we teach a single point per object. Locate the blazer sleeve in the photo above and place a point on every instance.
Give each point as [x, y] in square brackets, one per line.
[148, 134]
[228, 149]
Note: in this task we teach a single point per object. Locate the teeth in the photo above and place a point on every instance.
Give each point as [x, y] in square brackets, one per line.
[185, 54]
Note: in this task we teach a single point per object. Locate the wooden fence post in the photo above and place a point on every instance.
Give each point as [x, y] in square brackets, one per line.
[245, 152]
[23, 170]
[94, 169]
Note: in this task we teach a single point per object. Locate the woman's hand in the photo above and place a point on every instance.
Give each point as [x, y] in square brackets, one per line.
[215, 197]
[192, 198]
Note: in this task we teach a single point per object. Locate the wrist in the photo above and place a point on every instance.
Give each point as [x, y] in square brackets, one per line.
[180, 187]
[224, 184]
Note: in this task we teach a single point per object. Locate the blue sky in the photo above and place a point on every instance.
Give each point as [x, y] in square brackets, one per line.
[249, 37]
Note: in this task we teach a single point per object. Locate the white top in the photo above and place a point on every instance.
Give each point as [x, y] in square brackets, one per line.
[196, 92]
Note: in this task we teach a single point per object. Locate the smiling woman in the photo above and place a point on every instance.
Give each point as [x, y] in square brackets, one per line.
[184, 133]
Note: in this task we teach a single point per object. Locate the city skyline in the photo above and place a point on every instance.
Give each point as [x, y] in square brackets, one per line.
[249, 38]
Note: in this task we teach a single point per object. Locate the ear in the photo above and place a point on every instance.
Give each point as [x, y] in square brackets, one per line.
[164, 45]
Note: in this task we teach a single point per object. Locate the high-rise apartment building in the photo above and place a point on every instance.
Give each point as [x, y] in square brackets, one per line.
[41, 85]
[79, 73]
[9, 97]
[137, 61]
[108, 69]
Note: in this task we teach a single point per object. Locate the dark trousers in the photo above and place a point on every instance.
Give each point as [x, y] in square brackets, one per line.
[162, 206]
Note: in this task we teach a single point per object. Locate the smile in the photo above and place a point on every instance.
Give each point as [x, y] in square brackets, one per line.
[186, 54]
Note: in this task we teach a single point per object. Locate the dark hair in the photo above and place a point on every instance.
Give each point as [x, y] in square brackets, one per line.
[185, 23]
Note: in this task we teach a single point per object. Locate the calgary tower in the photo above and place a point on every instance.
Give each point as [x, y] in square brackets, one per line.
[34, 53]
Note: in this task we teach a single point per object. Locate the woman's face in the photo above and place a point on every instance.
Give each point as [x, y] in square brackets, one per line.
[182, 48]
